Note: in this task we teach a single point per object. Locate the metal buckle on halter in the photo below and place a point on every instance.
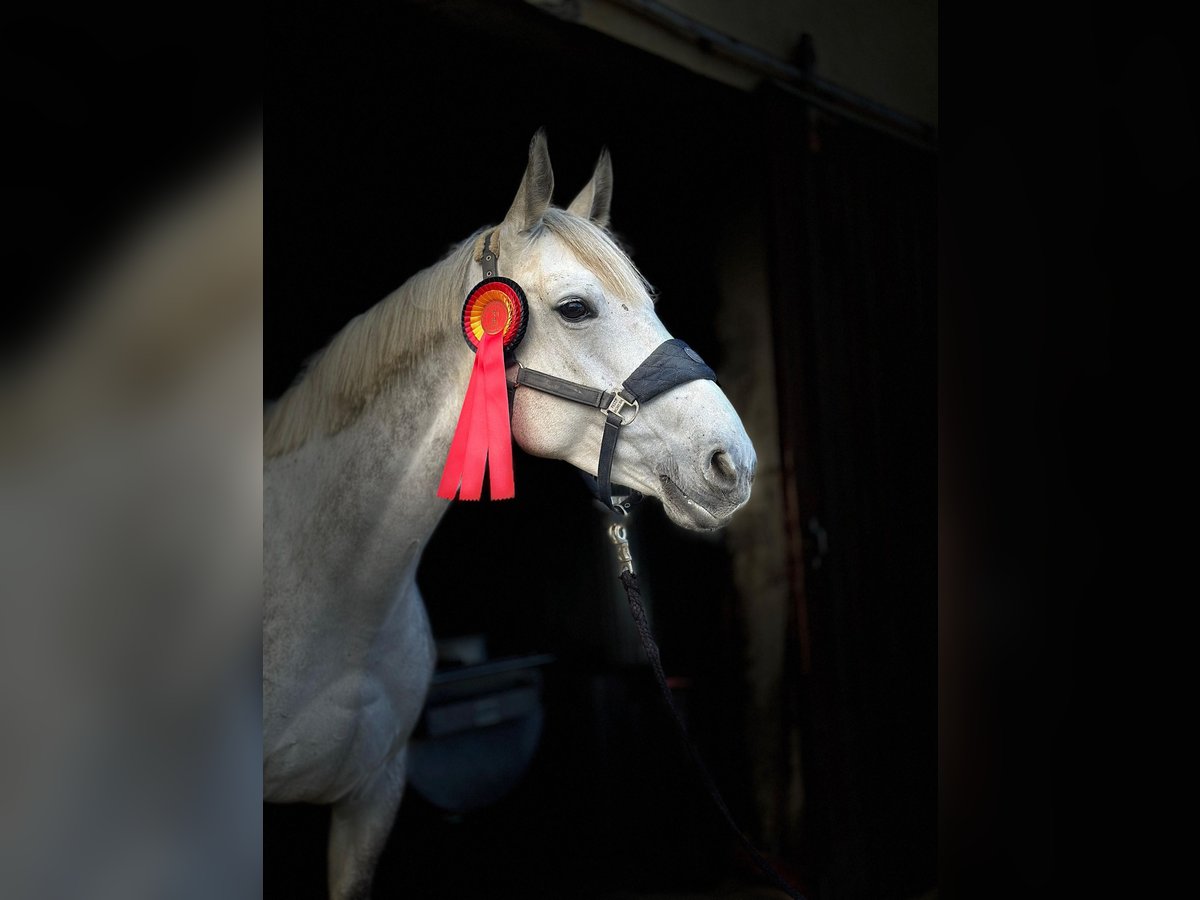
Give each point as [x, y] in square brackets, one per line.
[619, 403]
[513, 385]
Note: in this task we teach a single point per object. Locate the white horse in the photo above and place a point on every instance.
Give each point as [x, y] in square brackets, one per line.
[354, 453]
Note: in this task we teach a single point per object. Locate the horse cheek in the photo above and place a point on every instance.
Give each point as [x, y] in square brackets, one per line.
[539, 429]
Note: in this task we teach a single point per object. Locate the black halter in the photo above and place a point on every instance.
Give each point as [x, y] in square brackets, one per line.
[669, 365]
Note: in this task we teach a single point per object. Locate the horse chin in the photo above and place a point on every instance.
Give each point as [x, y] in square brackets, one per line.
[688, 512]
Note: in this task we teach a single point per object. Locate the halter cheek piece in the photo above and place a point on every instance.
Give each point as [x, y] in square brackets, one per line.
[669, 365]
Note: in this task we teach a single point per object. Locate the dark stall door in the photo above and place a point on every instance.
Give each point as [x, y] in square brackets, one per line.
[853, 231]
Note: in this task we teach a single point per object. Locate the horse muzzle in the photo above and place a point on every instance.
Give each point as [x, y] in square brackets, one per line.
[721, 486]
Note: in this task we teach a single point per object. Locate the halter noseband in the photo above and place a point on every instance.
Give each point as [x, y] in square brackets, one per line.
[669, 365]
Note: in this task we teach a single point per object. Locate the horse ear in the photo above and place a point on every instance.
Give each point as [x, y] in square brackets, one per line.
[594, 200]
[533, 196]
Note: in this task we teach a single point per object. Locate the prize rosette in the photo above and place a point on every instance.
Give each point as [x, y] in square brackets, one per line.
[495, 306]
[494, 318]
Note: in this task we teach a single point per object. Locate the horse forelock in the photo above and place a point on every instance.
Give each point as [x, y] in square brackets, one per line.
[599, 252]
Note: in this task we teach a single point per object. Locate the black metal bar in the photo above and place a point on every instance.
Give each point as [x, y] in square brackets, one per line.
[826, 94]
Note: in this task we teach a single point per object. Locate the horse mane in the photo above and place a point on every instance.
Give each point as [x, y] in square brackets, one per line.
[338, 382]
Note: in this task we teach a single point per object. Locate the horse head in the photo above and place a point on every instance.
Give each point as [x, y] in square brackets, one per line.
[592, 321]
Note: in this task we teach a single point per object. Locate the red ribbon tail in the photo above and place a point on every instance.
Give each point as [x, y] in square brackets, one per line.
[500, 463]
[482, 431]
[456, 458]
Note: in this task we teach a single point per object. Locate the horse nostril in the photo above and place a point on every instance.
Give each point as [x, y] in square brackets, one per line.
[722, 468]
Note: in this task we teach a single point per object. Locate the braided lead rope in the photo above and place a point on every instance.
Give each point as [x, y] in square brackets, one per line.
[629, 581]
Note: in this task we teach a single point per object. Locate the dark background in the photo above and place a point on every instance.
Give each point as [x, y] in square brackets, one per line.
[395, 135]
[1067, 252]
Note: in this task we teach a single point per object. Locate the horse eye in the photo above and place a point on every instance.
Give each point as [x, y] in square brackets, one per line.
[574, 310]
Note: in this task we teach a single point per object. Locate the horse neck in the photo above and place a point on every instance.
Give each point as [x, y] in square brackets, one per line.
[395, 455]
[363, 501]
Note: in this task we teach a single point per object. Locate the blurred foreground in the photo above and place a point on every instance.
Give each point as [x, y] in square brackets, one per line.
[130, 559]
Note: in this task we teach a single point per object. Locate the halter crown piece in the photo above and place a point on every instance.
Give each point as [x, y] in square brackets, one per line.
[494, 318]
